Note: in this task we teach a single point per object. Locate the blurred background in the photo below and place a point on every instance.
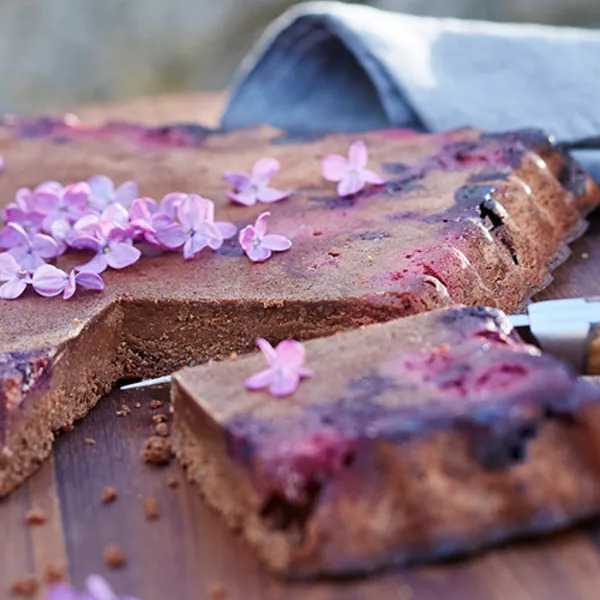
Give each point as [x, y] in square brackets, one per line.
[60, 53]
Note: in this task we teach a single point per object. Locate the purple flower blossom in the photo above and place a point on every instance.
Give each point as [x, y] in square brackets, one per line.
[249, 189]
[285, 368]
[258, 244]
[351, 172]
[147, 221]
[16, 279]
[170, 203]
[112, 245]
[60, 206]
[103, 192]
[22, 211]
[97, 588]
[29, 250]
[49, 281]
[196, 229]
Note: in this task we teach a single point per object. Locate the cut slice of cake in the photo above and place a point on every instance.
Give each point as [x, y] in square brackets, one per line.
[419, 439]
[464, 218]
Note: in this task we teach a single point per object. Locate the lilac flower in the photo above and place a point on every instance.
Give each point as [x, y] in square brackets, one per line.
[103, 192]
[22, 211]
[351, 173]
[258, 244]
[112, 245]
[97, 588]
[49, 281]
[29, 250]
[16, 278]
[196, 229]
[147, 221]
[285, 368]
[249, 189]
[170, 203]
[60, 206]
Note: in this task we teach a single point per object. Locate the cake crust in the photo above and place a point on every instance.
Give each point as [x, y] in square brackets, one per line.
[465, 218]
[416, 440]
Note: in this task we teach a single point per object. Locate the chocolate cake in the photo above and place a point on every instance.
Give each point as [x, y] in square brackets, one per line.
[419, 439]
[464, 218]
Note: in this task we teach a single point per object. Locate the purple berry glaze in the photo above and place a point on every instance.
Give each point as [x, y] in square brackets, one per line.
[64, 129]
[21, 374]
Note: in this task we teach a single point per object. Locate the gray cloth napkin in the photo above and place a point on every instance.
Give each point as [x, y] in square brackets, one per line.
[326, 66]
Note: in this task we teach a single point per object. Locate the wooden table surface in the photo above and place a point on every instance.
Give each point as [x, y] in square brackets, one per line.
[187, 551]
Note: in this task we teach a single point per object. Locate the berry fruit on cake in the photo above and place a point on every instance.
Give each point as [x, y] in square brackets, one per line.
[422, 222]
[417, 439]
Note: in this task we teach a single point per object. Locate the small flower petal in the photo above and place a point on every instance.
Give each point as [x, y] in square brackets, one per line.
[89, 280]
[357, 155]
[291, 353]
[350, 184]
[62, 592]
[264, 169]
[276, 242]
[246, 198]
[44, 245]
[9, 267]
[189, 212]
[99, 589]
[49, 280]
[334, 167]
[172, 236]
[121, 255]
[237, 180]
[12, 289]
[13, 235]
[228, 230]
[98, 264]
[268, 351]
[372, 177]
[261, 223]
[70, 285]
[259, 380]
[77, 194]
[126, 193]
[284, 383]
[269, 195]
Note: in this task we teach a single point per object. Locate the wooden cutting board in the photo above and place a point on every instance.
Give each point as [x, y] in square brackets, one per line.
[187, 553]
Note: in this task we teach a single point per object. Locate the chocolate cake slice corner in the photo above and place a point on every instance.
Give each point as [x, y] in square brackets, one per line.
[420, 439]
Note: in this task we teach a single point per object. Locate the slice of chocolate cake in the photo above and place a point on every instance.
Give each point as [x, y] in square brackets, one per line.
[464, 218]
[420, 439]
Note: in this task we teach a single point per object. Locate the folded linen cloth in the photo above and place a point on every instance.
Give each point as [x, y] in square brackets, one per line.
[326, 66]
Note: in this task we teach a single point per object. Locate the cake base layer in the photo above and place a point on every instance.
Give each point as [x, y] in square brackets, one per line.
[465, 218]
[420, 439]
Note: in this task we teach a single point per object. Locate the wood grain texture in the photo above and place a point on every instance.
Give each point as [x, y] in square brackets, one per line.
[187, 550]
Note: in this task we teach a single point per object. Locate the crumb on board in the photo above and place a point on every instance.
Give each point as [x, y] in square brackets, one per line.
[154, 404]
[173, 481]
[217, 591]
[160, 418]
[585, 255]
[233, 355]
[161, 429]
[109, 494]
[150, 509]
[124, 411]
[138, 405]
[158, 451]
[89, 441]
[35, 516]
[25, 586]
[114, 557]
[54, 573]
[370, 258]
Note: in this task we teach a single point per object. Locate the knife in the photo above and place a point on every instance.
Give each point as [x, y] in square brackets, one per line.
[568, 329]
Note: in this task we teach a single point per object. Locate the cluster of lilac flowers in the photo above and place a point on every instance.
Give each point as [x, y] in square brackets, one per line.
[115, 222]
[96, 588]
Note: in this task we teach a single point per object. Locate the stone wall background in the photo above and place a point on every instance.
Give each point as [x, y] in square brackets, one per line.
[57, 53]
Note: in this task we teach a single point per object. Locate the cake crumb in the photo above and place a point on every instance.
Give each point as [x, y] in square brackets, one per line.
[157, 451]
[161, 429]
[76, 321]
[54, 573]
[172, 481]
[89, 441]
[68, 427]
[124, 411]
[154, 404]
[114, 557]
[585, 255]
[233, 355]
[370, 258]
[138, 405]
[151, 509]
[35, 516]
[160, 418]
[217, 591]
[25, 586]
[109, 494]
